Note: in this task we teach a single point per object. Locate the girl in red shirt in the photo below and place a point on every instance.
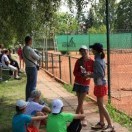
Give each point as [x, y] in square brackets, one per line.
[83, 66]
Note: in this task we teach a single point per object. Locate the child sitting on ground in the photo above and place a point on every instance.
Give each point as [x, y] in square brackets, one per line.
[20, 120]
[34, 104]
[34, 108]
[57, 120]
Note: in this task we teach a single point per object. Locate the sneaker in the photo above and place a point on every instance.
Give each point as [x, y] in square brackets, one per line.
[20, 72]
[17, 78]
[98, 126]
[108, 129]
[84, 123]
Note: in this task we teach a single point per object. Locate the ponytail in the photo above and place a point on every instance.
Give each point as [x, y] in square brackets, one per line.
[102, 55]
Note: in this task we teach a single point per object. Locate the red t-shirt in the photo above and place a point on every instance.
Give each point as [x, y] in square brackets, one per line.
[88, 65]
[19, 52]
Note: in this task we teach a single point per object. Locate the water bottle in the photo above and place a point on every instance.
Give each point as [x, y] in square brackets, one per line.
[83, 70]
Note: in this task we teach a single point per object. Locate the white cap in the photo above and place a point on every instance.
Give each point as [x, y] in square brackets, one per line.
[57, 104]
[21, 104]
[83, 47]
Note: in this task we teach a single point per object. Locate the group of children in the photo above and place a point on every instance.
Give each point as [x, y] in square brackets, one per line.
[31, 114]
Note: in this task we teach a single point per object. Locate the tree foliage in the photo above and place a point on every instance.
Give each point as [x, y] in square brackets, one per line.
[100, 12]
[124, 16]
[63, 23]
[20, 17]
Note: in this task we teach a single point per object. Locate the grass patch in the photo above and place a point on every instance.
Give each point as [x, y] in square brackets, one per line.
[120, 117]
[69, 88]
[10, 91]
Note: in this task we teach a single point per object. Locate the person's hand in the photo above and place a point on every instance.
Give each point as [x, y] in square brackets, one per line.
[87, 76]
[83, 74]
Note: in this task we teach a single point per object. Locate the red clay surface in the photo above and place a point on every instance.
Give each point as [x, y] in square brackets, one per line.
[121, 78]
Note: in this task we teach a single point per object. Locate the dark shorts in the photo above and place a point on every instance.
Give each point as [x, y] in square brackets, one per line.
[80, 88]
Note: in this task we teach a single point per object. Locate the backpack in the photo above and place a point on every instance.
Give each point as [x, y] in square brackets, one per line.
[75, 126]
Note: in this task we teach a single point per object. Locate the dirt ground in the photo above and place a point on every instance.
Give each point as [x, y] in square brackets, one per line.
[121, 77]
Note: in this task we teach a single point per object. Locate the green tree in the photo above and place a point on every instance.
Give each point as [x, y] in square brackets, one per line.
[101, 29]
[63, 23]
[89, 22]
[100, 12]
[124, 16]
[19, 17]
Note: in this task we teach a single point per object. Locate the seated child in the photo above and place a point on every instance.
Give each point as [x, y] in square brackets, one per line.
[57, 120]
[34, 108]
[20, 120]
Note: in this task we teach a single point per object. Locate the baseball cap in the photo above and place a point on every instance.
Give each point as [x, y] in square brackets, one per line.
[96, 46]
[83, 47]
[21, 104]
[35, 93]
[57, 104]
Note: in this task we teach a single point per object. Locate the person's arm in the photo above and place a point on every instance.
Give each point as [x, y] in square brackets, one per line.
[89, 74]
[42, 108]
[76, 71]
[6, 59]
[34, 55]
[35, 118]
[79, 116]
[46, 109]
[98, 71]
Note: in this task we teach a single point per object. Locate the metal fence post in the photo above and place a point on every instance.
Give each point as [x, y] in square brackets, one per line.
[70, 71]
[108, 50]
[47, 60]
[52, 63]
[42, 59]
[60, 66]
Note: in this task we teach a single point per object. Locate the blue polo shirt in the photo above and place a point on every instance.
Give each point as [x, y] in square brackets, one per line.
[20, 122]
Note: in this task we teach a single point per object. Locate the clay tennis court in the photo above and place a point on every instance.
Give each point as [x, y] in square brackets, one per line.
[121, 77]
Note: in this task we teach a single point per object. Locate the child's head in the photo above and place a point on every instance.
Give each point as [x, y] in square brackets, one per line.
[57, 106]
[97, 48]
[20, 106]
[35, 95]
[83, 50]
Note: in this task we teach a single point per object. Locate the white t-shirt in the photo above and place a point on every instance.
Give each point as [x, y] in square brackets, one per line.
[33, 107]
[4, 59]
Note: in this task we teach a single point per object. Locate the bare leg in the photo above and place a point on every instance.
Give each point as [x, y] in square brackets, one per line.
[103, 112]
[20, 61]
[23, 63]
[37, 123]
[81, 97]
[15, 73]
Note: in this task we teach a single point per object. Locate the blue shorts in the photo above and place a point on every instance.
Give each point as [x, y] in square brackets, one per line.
[80, 88]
